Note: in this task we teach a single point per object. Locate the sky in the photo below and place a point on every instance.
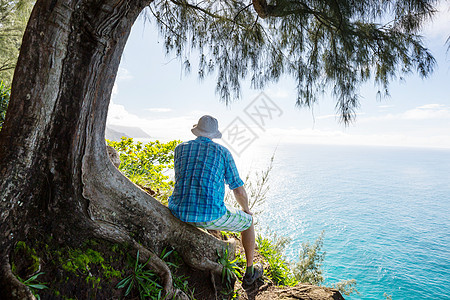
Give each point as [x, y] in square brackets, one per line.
[152, 92]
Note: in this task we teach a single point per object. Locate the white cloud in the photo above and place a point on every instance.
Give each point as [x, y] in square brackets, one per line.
[431, 106]
[159, 109]
[422, 113]
[425, 112]
[124, 74]
[336, 137]
[118, 112]
[178, 127]
[115, 90]
[171, 128]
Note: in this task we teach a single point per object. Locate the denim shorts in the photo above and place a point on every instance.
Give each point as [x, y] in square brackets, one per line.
[233, 220]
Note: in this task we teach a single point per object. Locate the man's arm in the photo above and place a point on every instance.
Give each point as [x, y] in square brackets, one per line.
[241, 197]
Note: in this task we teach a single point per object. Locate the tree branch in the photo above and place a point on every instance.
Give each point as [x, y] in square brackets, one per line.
[241, 10]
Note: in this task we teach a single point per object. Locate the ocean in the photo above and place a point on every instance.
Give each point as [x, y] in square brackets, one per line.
[385, 213]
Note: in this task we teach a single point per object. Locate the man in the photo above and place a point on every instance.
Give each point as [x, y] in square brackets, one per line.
[202, 168]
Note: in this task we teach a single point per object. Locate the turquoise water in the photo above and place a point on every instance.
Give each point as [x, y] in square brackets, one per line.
[385, 213]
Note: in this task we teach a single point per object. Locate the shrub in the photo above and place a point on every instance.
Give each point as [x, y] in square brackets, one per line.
[346, 287]
[230, 269]
[142, 279]
[147, 164]
[272, 250]
[309, 267]
[4, 101]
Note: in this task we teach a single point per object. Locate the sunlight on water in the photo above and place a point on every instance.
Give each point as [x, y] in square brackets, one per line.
[384, 211]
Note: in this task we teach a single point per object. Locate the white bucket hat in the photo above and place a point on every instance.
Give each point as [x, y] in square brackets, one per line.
[207, 126]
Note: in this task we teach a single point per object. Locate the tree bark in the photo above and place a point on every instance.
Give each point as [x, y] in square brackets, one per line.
[260, 7]
[55, 175]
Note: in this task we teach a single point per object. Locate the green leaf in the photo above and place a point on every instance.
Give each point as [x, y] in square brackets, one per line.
[33, 278]
[124, 282]
[130, 286]
[38, 286]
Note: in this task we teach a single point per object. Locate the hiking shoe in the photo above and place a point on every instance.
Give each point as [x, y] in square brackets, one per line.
[258, 271]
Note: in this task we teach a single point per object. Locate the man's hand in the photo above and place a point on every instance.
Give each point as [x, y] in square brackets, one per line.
[241, 197]
[248, 212]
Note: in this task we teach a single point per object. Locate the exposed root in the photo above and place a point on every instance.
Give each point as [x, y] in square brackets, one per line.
[201, 260]
[113, 234]
[213, 281]
[158, 265]
[201, 263]
[10, 286]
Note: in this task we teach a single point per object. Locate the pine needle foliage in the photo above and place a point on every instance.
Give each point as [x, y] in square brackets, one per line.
[309, 266]
[346, 287]
[257, 185]
[323, 45]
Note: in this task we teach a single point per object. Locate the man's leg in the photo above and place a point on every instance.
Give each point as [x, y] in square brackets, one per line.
[252, 272]
[248, 241]
[235, 221]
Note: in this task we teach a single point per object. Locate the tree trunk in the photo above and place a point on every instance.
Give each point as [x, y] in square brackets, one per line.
[55, 175]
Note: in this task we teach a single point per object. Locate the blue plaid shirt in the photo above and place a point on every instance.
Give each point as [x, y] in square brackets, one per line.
[202, 168]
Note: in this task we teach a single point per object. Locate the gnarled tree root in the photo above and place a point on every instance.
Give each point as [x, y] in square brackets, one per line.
[111, 233]
[10, 286]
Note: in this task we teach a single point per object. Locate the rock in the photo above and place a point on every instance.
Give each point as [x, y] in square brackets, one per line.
[299, 292]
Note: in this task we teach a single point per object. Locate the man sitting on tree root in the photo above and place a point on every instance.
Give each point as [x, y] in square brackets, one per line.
[202, 168]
